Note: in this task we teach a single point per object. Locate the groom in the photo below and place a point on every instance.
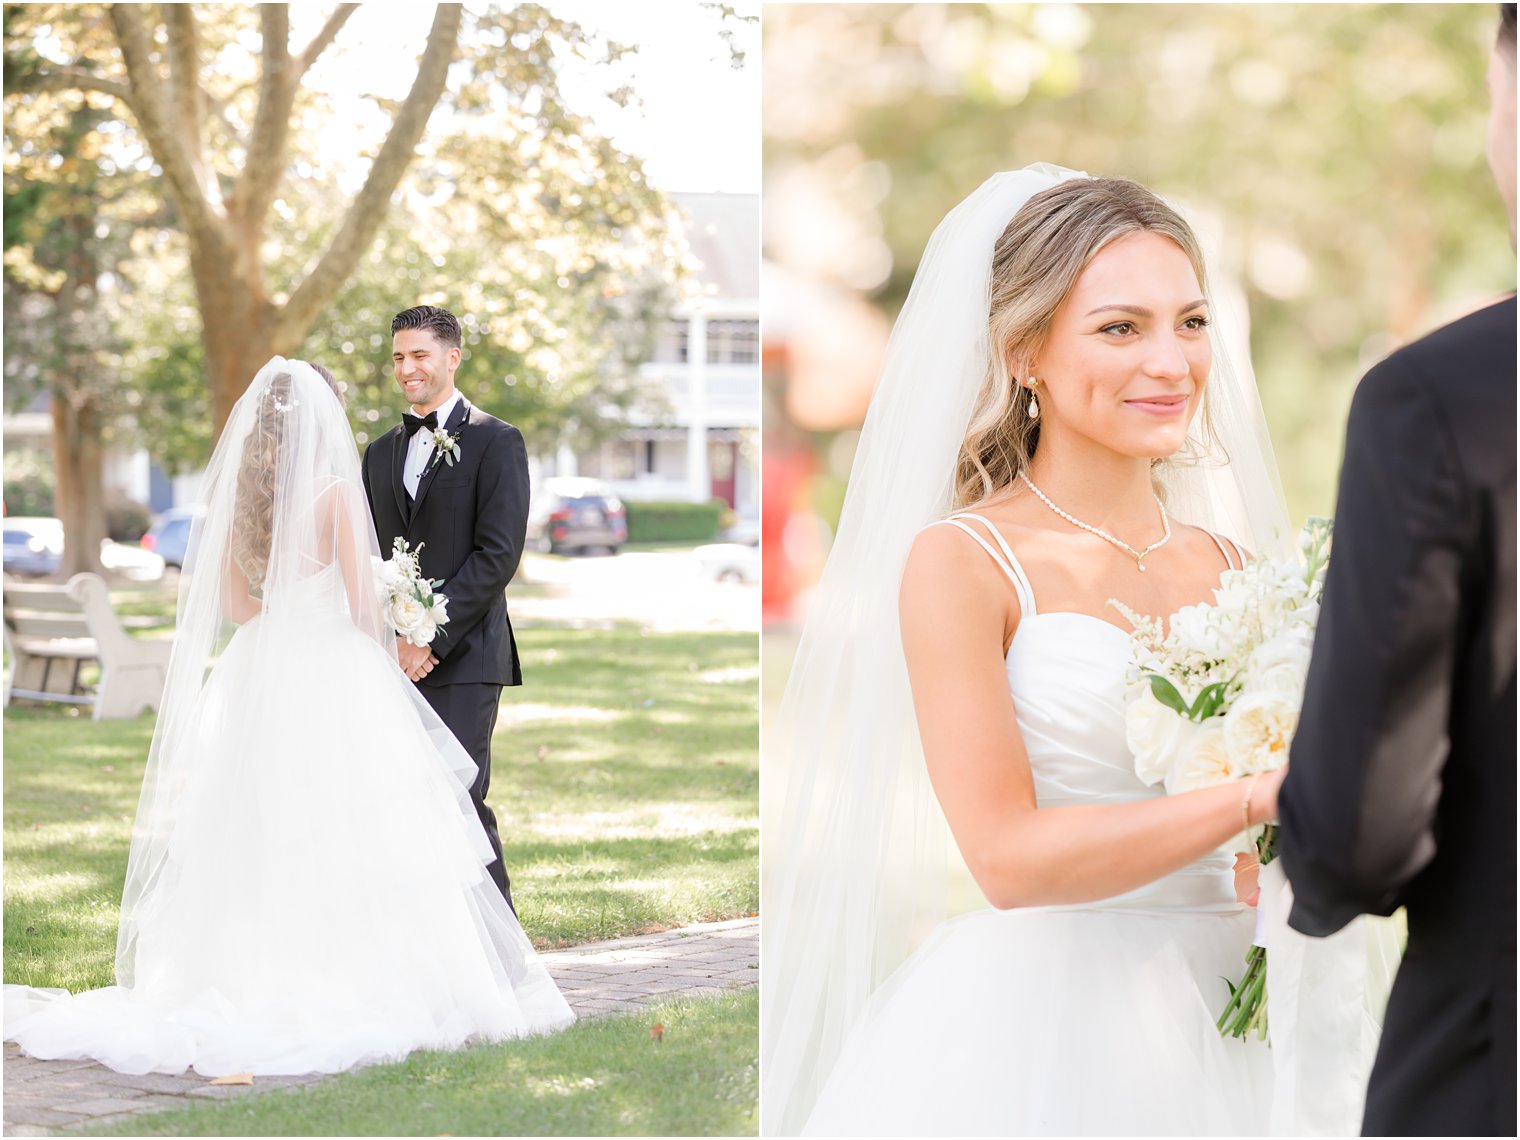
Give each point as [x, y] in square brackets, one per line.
[1401, 790]
[469, 517]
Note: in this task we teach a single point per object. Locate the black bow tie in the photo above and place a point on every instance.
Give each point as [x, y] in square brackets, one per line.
[414, 423]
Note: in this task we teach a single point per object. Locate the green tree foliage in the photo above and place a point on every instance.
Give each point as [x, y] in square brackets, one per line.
[1338, 147]
[513, 212]
[69, 216]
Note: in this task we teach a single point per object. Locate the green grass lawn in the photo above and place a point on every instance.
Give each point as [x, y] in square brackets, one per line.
[624, 776]
[599, 1078]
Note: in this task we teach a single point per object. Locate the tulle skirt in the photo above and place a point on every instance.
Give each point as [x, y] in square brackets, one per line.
[1055, 1023]
[322, 901]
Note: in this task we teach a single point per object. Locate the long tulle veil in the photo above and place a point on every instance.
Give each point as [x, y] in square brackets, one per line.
[283, 497]
[857, 859]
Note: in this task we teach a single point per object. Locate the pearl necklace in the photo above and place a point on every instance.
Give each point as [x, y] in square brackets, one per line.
[1137, 555]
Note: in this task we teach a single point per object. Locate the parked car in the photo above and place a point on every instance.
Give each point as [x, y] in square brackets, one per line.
[33, 546]
[34, 549]
[571, 513]
[170, 535]
[737, 562]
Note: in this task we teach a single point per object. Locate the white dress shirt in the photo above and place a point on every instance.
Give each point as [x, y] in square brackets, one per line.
[420, 447]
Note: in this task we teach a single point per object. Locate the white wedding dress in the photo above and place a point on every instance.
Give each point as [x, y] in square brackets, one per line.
[1090, 1019]
[307, 890]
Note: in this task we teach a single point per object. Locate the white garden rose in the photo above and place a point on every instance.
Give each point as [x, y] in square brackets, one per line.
[406, 613]
[1205, 763]
[1156, 735]
[1258, 729]
[426, 629]
[1281, 665]
[440, 609]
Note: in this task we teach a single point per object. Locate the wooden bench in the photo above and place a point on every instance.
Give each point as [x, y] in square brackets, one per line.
[52, 631]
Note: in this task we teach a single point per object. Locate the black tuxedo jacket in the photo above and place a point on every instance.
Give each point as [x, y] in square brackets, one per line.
[470, 520]
[1401, 789]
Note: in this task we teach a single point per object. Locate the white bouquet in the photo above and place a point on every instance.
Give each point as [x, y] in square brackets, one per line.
[408, 599]
[1217, 698]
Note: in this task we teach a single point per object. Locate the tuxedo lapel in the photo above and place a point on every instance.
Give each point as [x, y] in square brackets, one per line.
[457, 419]
[398, 467]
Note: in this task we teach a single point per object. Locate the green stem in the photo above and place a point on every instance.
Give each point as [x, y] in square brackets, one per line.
[1249, 994]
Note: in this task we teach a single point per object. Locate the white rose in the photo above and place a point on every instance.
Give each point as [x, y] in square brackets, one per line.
[440, 610]
[1281, 665]
[406, 613]
[1258, 729]
[1206, 761]
[426, 630]
[1156, 735]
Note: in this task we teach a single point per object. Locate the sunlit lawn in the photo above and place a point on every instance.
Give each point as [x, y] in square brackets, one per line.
[599, 1078]
[624, 777]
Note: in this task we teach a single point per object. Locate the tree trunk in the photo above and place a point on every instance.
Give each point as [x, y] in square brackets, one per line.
[237, 329]
[78, 452]
[78, 396]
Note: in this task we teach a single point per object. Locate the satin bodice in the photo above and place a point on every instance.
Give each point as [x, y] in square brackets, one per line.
[1066, 674]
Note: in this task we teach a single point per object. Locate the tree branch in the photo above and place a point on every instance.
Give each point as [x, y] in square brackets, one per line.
[185, 92]
[147, 101]
[367, 211]
[324, 38]
[72, 79]
[265, 164]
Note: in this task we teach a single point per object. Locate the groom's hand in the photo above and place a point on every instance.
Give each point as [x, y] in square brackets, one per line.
[417, 661]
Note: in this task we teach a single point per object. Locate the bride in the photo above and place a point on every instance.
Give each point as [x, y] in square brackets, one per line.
[1056, 426]
[306, 889]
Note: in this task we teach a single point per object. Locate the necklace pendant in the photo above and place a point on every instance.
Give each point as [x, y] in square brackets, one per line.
[1140, 566]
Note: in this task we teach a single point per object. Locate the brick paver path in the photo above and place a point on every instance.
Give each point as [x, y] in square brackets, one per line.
[598, 978]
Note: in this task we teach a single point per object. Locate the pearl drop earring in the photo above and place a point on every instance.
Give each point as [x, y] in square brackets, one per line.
[1034, 402]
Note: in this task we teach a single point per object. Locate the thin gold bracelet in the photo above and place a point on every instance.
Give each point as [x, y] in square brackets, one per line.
[1245, 805]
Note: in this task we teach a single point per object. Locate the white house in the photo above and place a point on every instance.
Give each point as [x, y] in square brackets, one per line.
[708, 364]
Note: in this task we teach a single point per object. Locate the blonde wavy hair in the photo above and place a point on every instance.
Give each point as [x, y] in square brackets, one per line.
[1035, 265]
[253, 513]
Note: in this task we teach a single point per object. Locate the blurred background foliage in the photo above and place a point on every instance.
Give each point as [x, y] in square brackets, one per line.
[1338, 148]
[512, 209]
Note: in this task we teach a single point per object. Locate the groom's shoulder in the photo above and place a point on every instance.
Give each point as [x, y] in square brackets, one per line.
[1481, 342]
[1465, 368]
[383, 438]
[487, 424]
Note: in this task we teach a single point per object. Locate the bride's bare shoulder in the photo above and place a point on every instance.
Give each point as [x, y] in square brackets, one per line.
[952, 569]
[1209, 549]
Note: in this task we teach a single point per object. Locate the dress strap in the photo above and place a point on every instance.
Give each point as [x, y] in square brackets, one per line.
[1002, 555]
[1237, 561]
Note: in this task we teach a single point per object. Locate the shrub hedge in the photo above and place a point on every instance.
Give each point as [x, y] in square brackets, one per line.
[657, 521]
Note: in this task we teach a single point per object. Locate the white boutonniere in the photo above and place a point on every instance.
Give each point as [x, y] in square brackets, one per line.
[445, 447]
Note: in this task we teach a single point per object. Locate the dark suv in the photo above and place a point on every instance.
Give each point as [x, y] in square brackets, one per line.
[570, 513]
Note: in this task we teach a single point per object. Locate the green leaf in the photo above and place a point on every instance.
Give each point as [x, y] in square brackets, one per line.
[1166, 692]
[1208, 701]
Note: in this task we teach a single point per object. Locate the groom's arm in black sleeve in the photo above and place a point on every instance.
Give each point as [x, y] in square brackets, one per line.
[1359, 803]
[501, 525]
